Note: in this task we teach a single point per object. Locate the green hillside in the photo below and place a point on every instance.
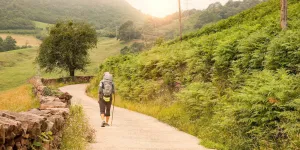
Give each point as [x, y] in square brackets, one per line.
[192, 20]
[17, 66]
[234, 84]
[19, 14]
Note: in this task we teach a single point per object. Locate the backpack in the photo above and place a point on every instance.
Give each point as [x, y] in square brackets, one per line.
[107, 88]
[107, 85]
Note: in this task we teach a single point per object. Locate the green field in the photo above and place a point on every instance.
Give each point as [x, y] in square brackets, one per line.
[41, 25]
[18, 66]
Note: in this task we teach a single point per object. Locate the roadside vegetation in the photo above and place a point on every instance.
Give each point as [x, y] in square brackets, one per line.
[77, 132]
[233, 84]
[11, 99]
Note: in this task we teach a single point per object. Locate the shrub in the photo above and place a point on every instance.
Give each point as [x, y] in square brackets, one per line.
[267, 110]
[283, 52]
[252, 51]
[77, 132]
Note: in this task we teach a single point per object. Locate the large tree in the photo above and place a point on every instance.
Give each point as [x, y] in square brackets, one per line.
[128, 32]
[67, 47]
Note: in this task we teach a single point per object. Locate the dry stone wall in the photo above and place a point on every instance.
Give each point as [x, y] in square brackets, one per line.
[37, 128]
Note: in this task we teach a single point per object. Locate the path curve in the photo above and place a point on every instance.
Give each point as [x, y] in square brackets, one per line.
[130, 130]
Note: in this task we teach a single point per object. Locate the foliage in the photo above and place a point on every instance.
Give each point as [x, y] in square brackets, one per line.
[11, 62]
[9, 44]
[103, 14]
[283, 51]
[128, 31]
[267, 108]
[217, 11]
[77, 132]
[134, 48]
[67, 47]
[216, 83]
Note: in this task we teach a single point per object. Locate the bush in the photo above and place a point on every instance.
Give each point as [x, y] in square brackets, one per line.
[252, 51]
[77, 132]
[283, 52]
[267, 110]
[133, 49]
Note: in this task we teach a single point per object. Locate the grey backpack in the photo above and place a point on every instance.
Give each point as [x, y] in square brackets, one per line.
[107, 85]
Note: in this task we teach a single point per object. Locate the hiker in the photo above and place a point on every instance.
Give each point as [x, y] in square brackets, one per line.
[106, 90]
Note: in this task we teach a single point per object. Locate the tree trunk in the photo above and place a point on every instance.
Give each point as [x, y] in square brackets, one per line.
[284, 7]
[72, 72]
[180, 23]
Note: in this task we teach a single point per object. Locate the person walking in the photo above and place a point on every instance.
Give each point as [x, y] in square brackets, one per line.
[106, 91]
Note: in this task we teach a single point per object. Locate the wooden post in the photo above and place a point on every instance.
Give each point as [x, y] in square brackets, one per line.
[283, 20]
[180, 24]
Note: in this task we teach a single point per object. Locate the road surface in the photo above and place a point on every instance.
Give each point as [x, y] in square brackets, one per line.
[130, 130]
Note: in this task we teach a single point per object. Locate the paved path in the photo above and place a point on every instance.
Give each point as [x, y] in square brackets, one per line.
[131, 130]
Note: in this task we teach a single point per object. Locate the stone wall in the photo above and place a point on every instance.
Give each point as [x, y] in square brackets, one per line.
[41, 128]
[76, 80]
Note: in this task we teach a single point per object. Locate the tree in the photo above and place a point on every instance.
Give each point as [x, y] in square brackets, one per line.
[66, 48]
[1, 44]
[127, 32]
[9, 44]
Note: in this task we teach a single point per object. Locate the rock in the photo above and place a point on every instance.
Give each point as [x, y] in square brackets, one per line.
[9, 128]
[59, 111]
[18, 145]
[25, 142]
[58, 121]
[30, 123]
[26, 136]
[65, 96]
[47, 99]
[8, 148]
[44, 113]
[53, 105]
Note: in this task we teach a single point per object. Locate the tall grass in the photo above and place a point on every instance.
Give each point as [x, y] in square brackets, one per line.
[18, 99]
[77, 133]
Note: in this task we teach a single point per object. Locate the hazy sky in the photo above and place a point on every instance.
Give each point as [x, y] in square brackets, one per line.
[161, 8]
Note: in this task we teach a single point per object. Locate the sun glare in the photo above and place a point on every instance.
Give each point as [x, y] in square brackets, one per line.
[161, 8]
[157, 8]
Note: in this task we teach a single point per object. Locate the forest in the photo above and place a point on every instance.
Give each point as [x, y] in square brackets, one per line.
[19, 14]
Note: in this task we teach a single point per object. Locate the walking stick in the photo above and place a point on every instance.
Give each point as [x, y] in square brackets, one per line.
[112, 117]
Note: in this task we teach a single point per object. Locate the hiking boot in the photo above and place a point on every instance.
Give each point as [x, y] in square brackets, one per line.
[106, 124]
[103, 124]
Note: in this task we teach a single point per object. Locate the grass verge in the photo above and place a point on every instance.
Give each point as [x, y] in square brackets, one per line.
[170, 113]
[77, 132]
[11, 99]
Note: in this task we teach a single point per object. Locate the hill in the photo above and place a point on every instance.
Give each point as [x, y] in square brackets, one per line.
[20, 14]
[233, 84]
[195, 19]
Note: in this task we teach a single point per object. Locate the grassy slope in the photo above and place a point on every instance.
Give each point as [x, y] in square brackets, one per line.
[17, 66]
[11, 99]
[208, 54]
[103, 14]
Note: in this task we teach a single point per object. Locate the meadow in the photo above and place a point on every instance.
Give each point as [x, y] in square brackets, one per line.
[23, 39]
[11, 99]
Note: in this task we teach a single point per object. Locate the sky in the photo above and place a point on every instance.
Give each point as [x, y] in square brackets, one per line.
[161, 8]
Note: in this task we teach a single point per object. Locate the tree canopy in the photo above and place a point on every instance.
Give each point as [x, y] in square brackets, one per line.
[128, 32]
[66, 48]
[7, 44]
